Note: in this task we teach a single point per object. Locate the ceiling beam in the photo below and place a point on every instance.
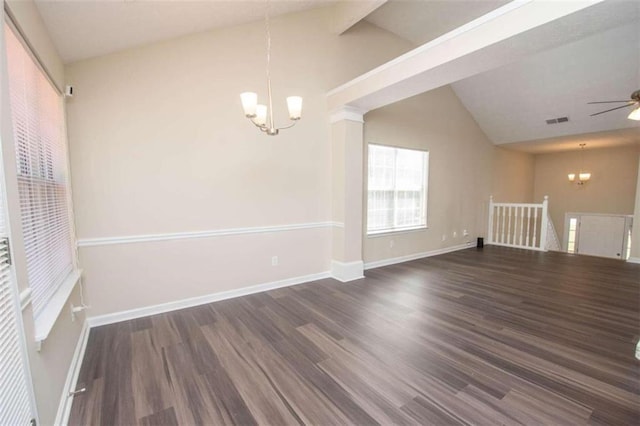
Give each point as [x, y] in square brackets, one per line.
[348, 13]
[507, 34]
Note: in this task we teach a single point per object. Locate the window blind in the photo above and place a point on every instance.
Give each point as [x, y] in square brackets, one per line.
[39, 133]
[15, 405]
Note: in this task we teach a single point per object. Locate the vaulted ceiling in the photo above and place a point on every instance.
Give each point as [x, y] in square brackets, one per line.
[511, 103]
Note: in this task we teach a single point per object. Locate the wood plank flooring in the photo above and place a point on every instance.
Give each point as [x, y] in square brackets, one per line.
[491, 336]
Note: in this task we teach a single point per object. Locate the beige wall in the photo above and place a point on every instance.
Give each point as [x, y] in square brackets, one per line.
[159, 145]
[48, 366]
[460, 163]
[512, 177]
[611, 189]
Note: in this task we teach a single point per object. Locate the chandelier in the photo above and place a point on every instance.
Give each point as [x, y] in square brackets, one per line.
[259, 114]
[582, 176]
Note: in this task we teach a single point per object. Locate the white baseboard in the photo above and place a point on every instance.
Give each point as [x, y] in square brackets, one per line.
[633, 260]
[347, 271]
[200, 300]
[394, 260]
[70, 384]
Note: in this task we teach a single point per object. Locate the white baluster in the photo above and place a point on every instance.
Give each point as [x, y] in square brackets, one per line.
[528, 225]
[503, 209]
[518, 234]
[535, 223]
[490, 231]
[509, 225]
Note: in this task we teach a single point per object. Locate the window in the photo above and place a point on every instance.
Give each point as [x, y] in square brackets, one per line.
[397, 189]
[571, 240]
[40, 142]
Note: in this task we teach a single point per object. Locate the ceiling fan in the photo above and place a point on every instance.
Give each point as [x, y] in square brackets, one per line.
[634, 102]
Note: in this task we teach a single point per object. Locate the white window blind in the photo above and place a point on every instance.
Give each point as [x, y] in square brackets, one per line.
[39, 134]
[15, 401]
[397, 189]
[15, 406]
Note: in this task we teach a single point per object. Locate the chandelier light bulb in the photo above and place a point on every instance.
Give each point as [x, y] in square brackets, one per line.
[294, 104]
[261, 115]
[249, 103]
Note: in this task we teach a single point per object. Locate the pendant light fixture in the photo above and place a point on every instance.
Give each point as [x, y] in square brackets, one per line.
[261, 115]
[582, 175]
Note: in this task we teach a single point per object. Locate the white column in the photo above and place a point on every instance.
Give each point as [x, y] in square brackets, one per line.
[347, 148]
[635, 232]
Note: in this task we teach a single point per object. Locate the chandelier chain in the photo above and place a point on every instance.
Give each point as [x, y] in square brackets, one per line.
[268, 31]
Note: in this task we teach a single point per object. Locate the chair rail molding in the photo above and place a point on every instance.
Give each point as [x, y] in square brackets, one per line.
[130, 239]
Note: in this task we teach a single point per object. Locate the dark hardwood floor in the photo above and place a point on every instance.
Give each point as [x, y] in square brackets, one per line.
[492, 336]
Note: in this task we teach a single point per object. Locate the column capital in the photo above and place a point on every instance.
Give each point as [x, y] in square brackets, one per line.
[347, 112]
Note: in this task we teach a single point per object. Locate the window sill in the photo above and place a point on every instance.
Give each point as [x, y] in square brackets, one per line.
[387, 232]
[46, 319]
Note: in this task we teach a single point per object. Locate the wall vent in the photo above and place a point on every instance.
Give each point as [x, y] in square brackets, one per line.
[557, 120]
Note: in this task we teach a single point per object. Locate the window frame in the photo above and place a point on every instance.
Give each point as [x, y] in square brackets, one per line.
[50, 310]
[425, 189]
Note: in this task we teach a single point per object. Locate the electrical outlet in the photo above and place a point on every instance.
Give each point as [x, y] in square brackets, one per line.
[455, 234]
[391, 243]
[465, 233]
[274, 261]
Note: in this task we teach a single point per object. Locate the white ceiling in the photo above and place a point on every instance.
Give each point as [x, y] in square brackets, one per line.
[84, 29]
[510, 103]
[420, 21]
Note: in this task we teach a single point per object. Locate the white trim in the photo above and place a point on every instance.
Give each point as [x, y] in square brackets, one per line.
[347, 271]
[102, 241]
[634, 260]
[25, 298]
[99, 320]
[599, 214]
[517, 246]
[347, 113]
[401, 259]
[440, 40]
[70, 384]
[45, 320]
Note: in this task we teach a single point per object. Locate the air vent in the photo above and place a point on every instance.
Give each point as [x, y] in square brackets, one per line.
[557, 120]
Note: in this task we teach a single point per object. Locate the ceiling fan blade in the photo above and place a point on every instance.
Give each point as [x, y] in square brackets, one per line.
[609, 102]
[612, 109]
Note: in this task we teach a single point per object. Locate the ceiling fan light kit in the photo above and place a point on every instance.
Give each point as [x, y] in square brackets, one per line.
[635, 114]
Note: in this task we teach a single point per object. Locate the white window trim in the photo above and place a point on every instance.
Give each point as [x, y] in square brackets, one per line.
[46, 319]
[384, 232]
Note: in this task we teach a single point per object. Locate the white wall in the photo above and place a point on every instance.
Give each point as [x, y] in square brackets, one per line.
[460, 171]
[159, 145]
